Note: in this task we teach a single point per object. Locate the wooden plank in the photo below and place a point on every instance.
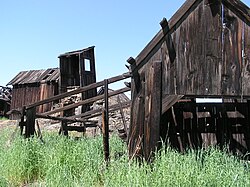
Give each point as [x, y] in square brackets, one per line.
[168, 101]
[98, 112]
[80, 90]
[246, 62]
[66, 119]
[209, 71]
[86, 101]
[30, 122]
[76, 128]
[232, 54]
[152, 109]
[135, 141]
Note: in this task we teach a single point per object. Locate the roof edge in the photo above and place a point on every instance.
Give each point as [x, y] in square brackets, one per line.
[76, 52]
[236, 6]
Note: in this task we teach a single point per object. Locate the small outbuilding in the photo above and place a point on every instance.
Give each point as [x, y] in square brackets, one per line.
[203, 51]
[34, 85]
[77, 69]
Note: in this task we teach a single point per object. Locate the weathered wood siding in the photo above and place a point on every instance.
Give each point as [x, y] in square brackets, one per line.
[205, 52]
[26, 94]
[209, 54]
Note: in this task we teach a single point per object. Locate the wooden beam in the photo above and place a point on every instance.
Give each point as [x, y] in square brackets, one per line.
[131, 61]
[80, 90]
[239, 8]
[86, 101]
[98, 112]
[22, 123]
[66, 119]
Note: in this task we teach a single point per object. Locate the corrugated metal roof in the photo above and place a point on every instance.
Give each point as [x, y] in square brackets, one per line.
[75, 52]
[36, 76]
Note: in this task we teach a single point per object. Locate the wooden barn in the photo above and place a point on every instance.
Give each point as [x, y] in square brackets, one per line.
[32, 86]
[203, 51]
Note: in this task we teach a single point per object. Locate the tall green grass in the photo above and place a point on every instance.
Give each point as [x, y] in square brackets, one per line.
[61, 161]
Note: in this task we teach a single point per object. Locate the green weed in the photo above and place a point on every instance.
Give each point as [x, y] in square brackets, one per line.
[61, 161]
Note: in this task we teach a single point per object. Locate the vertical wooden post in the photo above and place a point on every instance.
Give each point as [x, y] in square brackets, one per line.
[22, 123]
[64, 128]
[152, 107]
[105, 122]
[247, 131]
[30, 122]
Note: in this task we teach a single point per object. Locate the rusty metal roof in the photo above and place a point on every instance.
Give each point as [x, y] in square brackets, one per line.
[75, 52]
[36, 76]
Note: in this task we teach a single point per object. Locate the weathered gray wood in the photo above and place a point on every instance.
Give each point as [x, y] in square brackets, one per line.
[152, 109]
[93, 99]
[98, 112]
[186, 8]
[246, 61]
[232, 54]
[135, 141]
[80, 90]
[66, 119]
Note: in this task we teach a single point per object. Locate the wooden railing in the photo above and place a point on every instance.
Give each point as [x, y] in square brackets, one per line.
[30, 111]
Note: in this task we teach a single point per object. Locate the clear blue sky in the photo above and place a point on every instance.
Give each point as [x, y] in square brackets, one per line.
[34, 32]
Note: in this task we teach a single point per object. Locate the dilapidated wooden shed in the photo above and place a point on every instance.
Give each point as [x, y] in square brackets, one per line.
[77, 69]
[32, 86]
[203, 51]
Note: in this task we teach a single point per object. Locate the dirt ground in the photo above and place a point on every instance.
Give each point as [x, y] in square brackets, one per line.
[8, 124]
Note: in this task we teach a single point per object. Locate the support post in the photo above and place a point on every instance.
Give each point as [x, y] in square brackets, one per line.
[22, 123]
[105, 122]
[30, 122]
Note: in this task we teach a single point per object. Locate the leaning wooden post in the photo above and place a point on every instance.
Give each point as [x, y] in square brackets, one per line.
[105, 122]
[30, 122]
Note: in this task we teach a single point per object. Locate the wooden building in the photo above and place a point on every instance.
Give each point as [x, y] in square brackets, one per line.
[32, 86]
[203, 51]
[77, 69]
